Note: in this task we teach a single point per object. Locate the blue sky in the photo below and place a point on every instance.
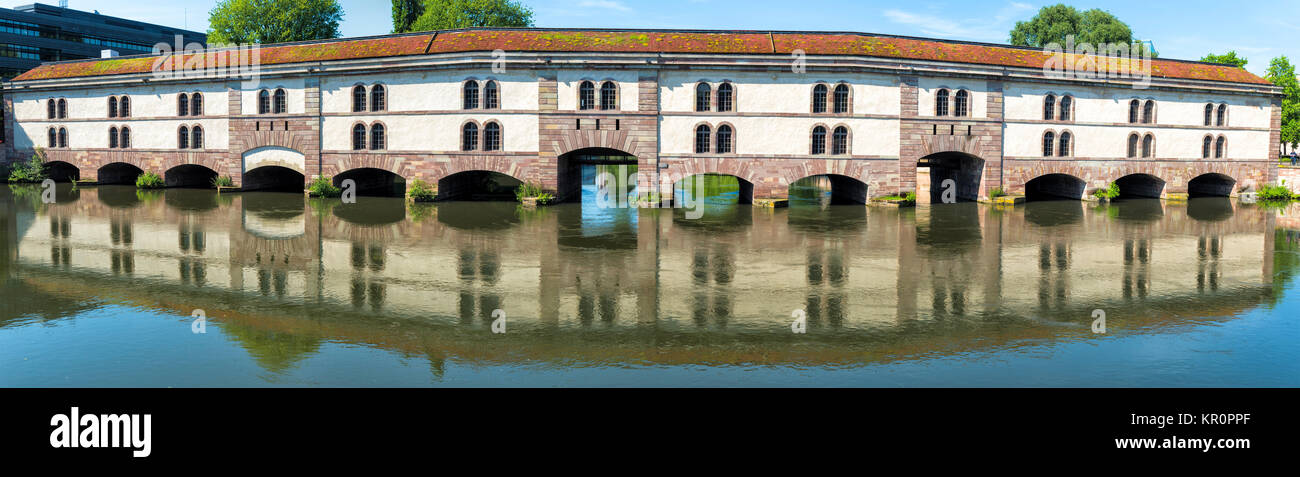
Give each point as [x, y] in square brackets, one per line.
[1258, 30]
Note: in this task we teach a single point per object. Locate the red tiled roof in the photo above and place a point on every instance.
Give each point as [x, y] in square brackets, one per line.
[780, 43]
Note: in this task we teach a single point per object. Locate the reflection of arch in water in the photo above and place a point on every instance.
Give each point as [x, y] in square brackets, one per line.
[827, 189]
[829, 220]
[945, 227]
[1141, 210]
[274, 216]
[1140, 186]
[190, 176]
[478, 216]
[1054, 187]
[373, 182]
[118, 173]
[964, 169]
[478, 186]
[715, 189]
[1211, 185]
[191, 200]
[373, 211]
[1210, 209]
[61, 171]
[118, 196]
[1054, 213]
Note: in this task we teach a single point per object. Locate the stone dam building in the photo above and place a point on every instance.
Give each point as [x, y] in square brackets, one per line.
[879, 115]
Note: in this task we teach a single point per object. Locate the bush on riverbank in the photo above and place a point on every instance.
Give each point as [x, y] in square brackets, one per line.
[529, 190]
[421, 192]
[31, 171]
[323, 187]
[149, 180]
[1276, 193]
[997, 192]
[222, 181]
[1111, 191]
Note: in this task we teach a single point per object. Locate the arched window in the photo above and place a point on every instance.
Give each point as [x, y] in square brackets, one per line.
[469, 137]
[63, 109]
[702, 133]
[941, 103]
[1132, 145]
[703, 97]
[123, 108]
[1220, 147]
[359, 137]
[841, 98]
[1049, 141]
[280, 106]
[1223, 115]
[1133, 107]
[112, 138]
[818, 141]
[63, 137]
[1149, 112]
[819, 99]
[183, 138]
[1064, 149]
[112, 106]
[840, 141]
[492, 137]
[724, 139]
[358, 99]
[49, 110]
[1067, 107]
[586, 96]
[196, 137]
[1209, 114]
[961, 106]
[54, 140]
[608, 96]
[1049, 107]
[1148, 146]
[491, 98]
[1207, 142]
[125, 141]
[264, 102]
[182, 104]
[469, 94]
[378, 141]
[726, 96]
[196, 104]
[378, 98]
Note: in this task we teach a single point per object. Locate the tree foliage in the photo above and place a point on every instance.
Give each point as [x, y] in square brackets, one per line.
[1054, 23]
[273, 21]
[405, 12]
[449, 14]
[1229, 58]
[1282, 74]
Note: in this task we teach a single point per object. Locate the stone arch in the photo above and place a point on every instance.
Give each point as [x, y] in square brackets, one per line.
[373, 182]
[1140, 185]
[1211, 184]
[1055, 186]
[273, 168]
[274, 156]
[964, 169]
[700, 184]
[569, 168]
[843, 189]
[62, 171]
[123, 173]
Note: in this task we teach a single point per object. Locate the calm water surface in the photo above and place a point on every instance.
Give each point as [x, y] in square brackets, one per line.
[99, 289]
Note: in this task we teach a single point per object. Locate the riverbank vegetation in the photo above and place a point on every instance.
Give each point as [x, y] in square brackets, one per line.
[323, 187]
[149, 180]
[532, 191]
[421, 191]
[1109, 192]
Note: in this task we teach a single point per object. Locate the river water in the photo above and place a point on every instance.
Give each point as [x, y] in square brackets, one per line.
[106, 287]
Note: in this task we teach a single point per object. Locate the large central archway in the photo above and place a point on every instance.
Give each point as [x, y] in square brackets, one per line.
[274, 168]
[583, 166]
[965, 170]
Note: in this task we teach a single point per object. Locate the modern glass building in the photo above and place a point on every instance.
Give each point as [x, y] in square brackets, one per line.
[36, 33]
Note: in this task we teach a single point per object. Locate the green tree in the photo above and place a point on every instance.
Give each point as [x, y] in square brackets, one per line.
[273, 21]
[1229, 58]
[448, 14]
[1054, 23]
[1282, 74]
[405, 12]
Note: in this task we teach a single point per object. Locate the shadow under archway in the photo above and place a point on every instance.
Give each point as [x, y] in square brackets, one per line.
[965, 170]
[190, 176]
[1210, 185]
[118, 173]
[1055, 187]
[373, 182]
[478, 186]
[827, 189]
[1140, 186]
[273, 179]
[61, 171]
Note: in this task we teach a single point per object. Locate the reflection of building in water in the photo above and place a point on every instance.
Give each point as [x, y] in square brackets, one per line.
[902, 278]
